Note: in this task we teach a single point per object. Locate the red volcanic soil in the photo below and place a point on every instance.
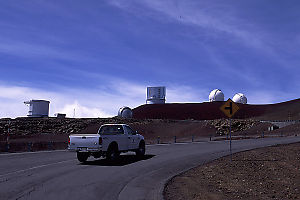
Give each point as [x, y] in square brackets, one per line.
[289, 110]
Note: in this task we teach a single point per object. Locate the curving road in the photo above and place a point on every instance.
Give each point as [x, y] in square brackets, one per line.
[58, 174]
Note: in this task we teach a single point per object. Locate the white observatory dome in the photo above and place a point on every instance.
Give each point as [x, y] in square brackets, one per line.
[239, 98]
[125, 112]
[216, 95]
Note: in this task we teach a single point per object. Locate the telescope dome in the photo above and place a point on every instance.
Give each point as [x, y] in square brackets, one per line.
[216, 95]
[239, 98]
[125, 112]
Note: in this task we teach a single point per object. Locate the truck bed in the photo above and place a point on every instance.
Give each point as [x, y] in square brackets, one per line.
[84, 142]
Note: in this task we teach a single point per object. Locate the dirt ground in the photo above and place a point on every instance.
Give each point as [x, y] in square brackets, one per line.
[266, 173]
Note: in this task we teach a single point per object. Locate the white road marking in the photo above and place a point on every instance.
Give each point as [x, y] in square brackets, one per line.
[36, 167]
[167, 144]
[35, 152]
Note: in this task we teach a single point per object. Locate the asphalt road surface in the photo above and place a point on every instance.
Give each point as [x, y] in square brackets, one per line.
[58, 174]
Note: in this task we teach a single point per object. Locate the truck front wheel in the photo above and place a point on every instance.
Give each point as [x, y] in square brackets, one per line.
[82, 156]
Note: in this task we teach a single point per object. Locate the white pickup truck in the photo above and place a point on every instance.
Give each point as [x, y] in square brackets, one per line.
[109, 142]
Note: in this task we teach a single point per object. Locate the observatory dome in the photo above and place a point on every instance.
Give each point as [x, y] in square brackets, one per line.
[125, 112]
[239, 98]
[216, 95]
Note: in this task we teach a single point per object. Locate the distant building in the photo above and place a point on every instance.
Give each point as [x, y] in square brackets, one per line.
[156, 95]
[38, 108]
[60, 115]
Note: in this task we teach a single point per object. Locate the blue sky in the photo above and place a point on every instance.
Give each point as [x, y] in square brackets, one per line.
[97, 56]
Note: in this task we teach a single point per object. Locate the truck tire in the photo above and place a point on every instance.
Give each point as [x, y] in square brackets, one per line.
[140, 152]
[82, 156]
[112, 153]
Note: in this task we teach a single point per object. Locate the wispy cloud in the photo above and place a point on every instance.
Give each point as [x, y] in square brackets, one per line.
[199, 14]
[220, 20]
[81, 55]
[38, 51]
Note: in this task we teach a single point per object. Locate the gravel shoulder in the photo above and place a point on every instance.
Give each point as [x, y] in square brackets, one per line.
[266, 173]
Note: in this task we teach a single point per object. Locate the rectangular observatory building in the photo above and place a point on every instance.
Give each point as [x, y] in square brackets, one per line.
[38, 108]
[156, 95]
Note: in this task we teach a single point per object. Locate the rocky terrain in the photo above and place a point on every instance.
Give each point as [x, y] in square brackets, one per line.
[36, 126]
[55, 130]
[153, 127]
[266, 173]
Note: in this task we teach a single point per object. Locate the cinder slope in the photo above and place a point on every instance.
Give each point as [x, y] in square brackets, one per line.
[289, 110]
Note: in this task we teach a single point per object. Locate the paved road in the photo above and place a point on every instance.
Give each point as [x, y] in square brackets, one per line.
[58, 174]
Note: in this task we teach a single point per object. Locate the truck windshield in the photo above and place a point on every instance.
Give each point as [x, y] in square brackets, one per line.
[111, 130]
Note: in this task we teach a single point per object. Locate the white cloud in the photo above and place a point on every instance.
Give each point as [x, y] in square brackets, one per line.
[92, 103]
[102, 102]
[106, 100]
[77, 110]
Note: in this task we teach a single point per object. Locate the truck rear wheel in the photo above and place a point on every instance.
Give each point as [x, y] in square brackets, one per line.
[82, 156]
[112, 153]
[140, 152]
